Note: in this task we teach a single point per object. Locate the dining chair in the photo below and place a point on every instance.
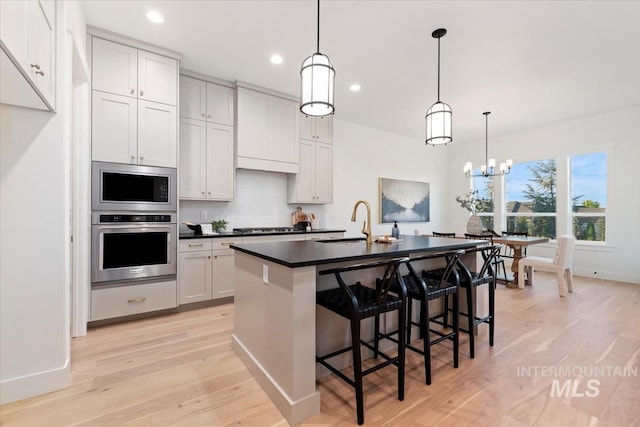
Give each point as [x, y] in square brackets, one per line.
[423, 290]
[498, 260]
[560, 264]
[437, 234]
[357, 302]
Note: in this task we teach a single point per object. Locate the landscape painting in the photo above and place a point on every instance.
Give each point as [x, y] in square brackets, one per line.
[403, 201]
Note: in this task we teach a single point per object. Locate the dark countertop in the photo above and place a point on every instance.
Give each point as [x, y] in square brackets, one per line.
[309, 252]
[190, 234]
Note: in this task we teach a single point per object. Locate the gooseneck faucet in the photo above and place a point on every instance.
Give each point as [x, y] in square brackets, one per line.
[366, 227]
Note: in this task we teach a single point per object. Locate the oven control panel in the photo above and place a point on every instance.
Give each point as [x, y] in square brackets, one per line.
[130, 218]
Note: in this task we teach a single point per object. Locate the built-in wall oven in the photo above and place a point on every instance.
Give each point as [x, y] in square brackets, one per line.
[122, 187]
[131, 246]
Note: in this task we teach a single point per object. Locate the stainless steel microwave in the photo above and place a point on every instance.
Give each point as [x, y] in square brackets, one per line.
[122, 187]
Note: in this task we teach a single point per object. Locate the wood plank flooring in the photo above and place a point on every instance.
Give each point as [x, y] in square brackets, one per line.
[179, 370]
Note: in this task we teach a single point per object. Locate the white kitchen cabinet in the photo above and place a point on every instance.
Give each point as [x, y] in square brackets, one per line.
[27, 32]
[157, 134]
[266, 132]
[114, 128]
[325, 236]
[126, 130]
[202, 100]
[316, 128]
[314, 182]
[195, 275]
[206, 160]
[127, 71]
[110, 302]
[223, 273]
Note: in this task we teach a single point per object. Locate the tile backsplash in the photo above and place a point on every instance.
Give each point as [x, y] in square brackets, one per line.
[261, 201]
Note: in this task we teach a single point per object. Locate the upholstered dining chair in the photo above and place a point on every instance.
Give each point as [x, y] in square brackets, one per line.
[560, 264]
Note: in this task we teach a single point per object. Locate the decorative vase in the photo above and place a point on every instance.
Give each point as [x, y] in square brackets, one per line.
[474, 225]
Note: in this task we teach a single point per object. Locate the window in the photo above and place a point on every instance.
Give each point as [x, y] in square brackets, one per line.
[484, 209]
[589, 196]
[530, 202]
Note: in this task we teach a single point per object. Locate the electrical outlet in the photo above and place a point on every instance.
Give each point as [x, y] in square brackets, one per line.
[203, 214]
[265, 274]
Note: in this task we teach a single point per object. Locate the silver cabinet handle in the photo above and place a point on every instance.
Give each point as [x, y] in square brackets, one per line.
[134, 300]
[195, 245]
[226, 243]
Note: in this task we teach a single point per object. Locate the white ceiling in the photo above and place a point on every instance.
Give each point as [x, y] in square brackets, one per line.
[530, 63]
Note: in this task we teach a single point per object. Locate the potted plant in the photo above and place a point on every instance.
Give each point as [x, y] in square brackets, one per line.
[218, 225]
[470, 201]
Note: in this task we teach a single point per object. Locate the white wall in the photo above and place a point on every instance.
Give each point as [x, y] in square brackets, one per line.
[361, 155]
[34, 237]
[619, 131]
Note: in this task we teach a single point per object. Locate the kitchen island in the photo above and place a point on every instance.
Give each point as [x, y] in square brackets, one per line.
[277, 327]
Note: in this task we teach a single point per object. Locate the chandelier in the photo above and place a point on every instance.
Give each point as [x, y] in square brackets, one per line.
[488, 168]
[438, 117]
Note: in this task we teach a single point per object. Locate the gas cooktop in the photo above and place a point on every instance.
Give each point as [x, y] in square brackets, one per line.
[250, 230]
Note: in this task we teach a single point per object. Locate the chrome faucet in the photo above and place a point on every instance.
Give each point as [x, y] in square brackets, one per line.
[366, 227]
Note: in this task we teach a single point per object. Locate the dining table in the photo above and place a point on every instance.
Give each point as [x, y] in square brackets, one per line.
[517, 244]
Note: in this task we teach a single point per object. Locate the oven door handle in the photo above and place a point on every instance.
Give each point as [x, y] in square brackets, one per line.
[141, 226]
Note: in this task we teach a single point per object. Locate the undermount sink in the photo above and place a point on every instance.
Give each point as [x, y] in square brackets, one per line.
[346, 240]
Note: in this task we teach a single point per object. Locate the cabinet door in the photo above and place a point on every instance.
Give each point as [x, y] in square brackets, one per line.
[193, 159]
[114, 68]
[193, 98]
[323, 129]
[195, 277]
[157, 78]
[283, 138]
[157, 138]
[223, 267]
[219, 104]
[14, 21]
[304, 180]
[113, 128]
[41, 51]
[220, 169]
[323, 173]
[307, 127]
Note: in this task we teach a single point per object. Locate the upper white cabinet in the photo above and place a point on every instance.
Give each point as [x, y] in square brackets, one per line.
[134, 113]
[316, 128]
[266, 132]
[207, 169]
[206, 160]
[202, 100]
[124, 70]
[27, 35]
[314, 182]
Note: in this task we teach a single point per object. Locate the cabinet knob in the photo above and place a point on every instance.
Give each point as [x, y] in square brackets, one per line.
[40, 72]
[141, 92]
[203, 114]
[209, 116]
[209, 257]
[36, 66]
[133, 91]
[202, 192]
[133, 158]
[141, 159]
[209, 193]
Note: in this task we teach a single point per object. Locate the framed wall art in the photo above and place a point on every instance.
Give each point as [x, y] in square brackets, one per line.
[403, 201]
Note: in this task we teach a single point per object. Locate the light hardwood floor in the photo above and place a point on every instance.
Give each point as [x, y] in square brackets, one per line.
[180, 370]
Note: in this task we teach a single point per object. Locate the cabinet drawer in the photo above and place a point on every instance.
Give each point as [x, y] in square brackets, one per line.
[324, 236]
[126, 300]
[195, 245]
[276, 238]
[225, 242]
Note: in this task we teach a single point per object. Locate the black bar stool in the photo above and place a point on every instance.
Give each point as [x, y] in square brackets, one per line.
[468, 280]
[357, 302]
[438, 234]
[424, 289]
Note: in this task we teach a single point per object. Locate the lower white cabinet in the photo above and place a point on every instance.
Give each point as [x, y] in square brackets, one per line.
[110, 302]
[223, 276]
[195, 276]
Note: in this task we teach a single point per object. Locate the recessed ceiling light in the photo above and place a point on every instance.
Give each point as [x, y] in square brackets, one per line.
[276, 59]
[354, 87]
[154, 16]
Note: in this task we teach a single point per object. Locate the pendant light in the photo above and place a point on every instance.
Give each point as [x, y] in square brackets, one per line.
[486, 170]
[439, 115]
[317, 82]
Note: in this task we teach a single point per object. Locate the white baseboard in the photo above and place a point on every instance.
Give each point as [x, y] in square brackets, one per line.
[20, 388]
[607, 275]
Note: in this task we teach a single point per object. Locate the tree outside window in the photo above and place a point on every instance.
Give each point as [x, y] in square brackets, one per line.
[531, 198]
[589, 196]
[484, 209]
